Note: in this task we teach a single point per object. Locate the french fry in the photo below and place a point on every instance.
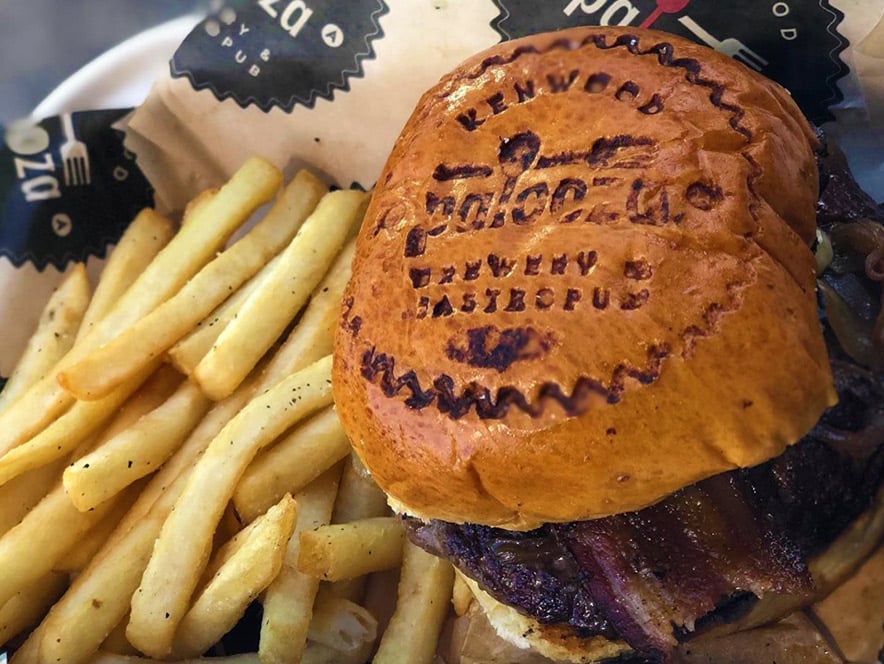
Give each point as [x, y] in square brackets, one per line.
[76, 627]
[18, 496]
[350, 550]
[191, 248]
[246, 572]
[116, 643]
[288, 602]
[195, 203]
[422, 603]
[110, 658]
[32, 548]
[266, 314]
[182, 548]
[66, 433]
[358, 498]
[54, 335]
[29, 651]
[316, 653]
[186, 354]
[137, 451]
[75, 559]
[131, 350]
[313, 337]
[99, 597]
[45, 400]
[283, 363]
[143, 239]
[343, 626]
[27, 606]
[291, 464]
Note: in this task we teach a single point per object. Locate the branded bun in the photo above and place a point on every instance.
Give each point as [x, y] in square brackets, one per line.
[584, 281]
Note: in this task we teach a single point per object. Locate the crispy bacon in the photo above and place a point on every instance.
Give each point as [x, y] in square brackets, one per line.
[650, 577]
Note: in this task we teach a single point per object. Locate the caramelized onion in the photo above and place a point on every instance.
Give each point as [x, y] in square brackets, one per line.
[875, 265]
[855, 335]
[862, 237]
[857, 444]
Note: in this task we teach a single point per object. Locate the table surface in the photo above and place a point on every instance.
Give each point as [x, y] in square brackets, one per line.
[42, 42]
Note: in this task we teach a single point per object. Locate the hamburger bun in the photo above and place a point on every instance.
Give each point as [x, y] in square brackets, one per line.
[585, 267]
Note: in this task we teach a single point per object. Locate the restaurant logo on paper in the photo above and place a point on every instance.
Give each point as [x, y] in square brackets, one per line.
[280, 53]
[68, 189]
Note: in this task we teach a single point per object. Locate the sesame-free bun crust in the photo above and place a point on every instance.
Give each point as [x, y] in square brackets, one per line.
[583, 282]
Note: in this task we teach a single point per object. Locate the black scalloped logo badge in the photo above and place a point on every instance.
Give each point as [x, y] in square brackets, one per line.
[280, 52]
[68, 189]
[793, 42]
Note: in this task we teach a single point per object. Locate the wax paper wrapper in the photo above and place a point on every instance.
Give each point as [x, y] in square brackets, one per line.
[328, 84]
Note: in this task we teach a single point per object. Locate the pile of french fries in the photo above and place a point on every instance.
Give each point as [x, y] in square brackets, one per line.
[170, 454]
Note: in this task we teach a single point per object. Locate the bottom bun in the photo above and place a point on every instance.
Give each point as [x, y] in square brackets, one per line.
[559, 643]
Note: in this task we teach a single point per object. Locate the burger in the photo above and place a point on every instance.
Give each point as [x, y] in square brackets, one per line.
[582, 354]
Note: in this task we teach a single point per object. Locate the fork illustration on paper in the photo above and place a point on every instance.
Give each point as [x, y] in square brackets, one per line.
[730, 46]
[74, 155]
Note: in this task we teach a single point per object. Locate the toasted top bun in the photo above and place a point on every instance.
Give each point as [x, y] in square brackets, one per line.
[584, 281]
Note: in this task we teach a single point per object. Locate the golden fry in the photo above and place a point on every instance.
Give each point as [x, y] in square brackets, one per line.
[66, 433]
[288, 602]
[45, 400]
[137, 451]
[266, 314]
[182, 549]
[349, 550]
[32, 548]
[313, 336]
[358, 498]
[187, 353]
[78, 557]
[18, 496]
[291, 464]
[191, 248]
[30, 604]
[422, 603]
[132, 349]
[343, 626]
[246, 572]
[143, 239]
[54, 336]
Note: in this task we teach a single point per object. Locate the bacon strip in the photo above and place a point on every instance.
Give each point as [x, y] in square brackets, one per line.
[655, 576]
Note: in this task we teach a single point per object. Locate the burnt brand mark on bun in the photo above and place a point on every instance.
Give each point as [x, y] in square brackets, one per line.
[610, 180]
[492, 348]
[380, 368]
